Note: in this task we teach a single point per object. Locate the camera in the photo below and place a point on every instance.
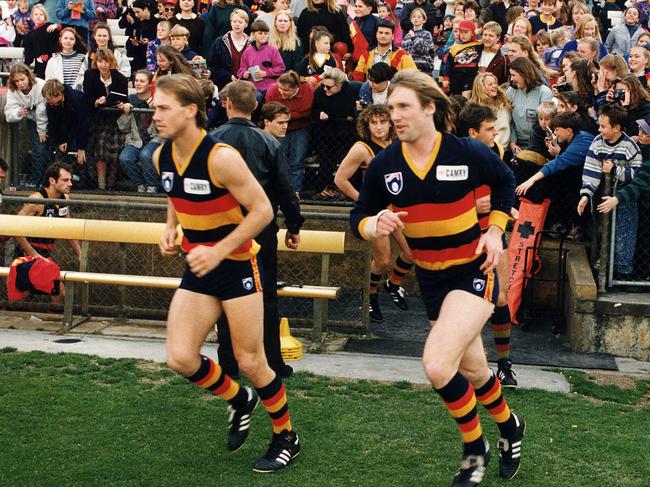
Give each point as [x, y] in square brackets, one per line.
[560, 87]
[618, 94]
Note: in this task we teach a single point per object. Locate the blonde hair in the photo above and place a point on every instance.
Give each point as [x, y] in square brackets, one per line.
[529, 27]
[587, 19]
[179, 30]
[645, 52]
[420, 11]
[238, 12]
[290, 42]
[336, 75]
[332, 6]
[493, 27]
[527, 47]
[39, 6]
[547, 109]
[481, 97]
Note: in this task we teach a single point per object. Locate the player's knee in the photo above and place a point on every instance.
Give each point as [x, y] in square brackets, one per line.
[181, 362]
[437, 373]
[477, 375]
[250, 363]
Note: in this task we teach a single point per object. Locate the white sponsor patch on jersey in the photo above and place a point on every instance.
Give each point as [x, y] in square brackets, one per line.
[196, 186]
[452, 173]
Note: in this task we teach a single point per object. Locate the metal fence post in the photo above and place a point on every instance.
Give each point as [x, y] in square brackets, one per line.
[604, 241]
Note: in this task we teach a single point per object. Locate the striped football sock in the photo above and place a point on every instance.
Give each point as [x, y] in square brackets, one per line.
[400, 269]
[490, 396]
[501, 329]
[274, 398]
[211, 377]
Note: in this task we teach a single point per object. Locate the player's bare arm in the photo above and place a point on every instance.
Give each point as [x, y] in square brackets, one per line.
[357, 155]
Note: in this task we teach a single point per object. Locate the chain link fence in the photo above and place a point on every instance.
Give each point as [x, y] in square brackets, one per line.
[349, 270]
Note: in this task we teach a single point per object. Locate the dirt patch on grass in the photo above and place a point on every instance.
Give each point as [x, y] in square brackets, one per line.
[151, 366]
[621, 381]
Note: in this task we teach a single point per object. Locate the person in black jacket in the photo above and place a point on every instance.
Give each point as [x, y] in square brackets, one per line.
[67, 118]
[328, 14]
[268, 164]
[434, 15]
[105, 86]
[333, 113]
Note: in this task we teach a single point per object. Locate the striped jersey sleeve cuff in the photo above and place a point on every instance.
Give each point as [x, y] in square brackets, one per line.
[498, 218]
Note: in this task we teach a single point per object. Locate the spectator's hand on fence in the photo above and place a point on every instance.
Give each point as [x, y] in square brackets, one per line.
[491, 243]
[291, 240]
[483, 205]
[100, 101]
[582, 204]
[203, 259]
[167, 243]
[63, 148]
[388, 222]
[42, 138]
[608, 165]
[125, 107]
[81, 157]
[608, 204]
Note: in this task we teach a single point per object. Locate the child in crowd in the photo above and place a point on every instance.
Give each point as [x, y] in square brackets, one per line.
[320, 59]
[542, 42]
[7, 32]
[532, 8]
[41, 42]
[614, 152]
[419, 42]
[22, 21]
[442, 34]
[261, 63]
[546, 20]
[551, 56]
[384, 12]
[461, 62]
[180, 37]
[537, 142]
[162, 38]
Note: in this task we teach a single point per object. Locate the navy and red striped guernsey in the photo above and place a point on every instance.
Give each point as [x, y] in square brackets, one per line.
[44, 246]
[441, 227]
[206, 211]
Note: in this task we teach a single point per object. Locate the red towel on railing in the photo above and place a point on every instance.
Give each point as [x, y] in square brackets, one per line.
[32, 275]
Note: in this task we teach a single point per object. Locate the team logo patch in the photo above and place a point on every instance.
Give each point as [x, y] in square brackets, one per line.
[479, 285]
[394, 182]
[196, 186]
[167, 180]
[452, 173]
[63, 211]
[247, 282]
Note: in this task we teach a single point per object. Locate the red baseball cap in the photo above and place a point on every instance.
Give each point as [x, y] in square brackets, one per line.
[467, 25]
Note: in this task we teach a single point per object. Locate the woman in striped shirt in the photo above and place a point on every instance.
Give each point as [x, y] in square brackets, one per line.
[65, 64]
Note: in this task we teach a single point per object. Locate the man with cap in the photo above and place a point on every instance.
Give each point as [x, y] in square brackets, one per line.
[460, 64]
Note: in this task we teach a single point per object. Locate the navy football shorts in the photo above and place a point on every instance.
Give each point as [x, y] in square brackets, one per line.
[230, 279]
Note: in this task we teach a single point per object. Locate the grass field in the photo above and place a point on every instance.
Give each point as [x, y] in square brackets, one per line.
[75, 420]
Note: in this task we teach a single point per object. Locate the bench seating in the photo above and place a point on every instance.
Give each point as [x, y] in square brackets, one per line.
[323, 243]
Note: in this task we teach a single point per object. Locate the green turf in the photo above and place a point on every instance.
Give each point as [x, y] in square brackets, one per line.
[74, 420]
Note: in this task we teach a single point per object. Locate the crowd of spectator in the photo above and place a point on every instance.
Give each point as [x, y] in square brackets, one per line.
[567, 82]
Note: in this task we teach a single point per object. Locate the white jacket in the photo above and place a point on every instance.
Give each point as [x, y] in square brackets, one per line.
[54, 70]
[34, 102]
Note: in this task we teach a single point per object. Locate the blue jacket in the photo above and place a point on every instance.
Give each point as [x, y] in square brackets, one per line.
[63, 14]
[574, 155]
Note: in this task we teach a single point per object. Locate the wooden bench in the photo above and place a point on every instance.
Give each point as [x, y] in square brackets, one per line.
[320, 242]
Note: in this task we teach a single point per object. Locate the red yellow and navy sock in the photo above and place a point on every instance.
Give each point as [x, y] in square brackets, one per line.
[490, 396]
[460, 400]
[274, 398]
[400, 269]
[501, 329]
[211, 377]
[374, 282]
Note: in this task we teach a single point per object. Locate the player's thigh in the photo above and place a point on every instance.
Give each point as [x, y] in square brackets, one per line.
[246, 321]
[462, 316]
[191, 317]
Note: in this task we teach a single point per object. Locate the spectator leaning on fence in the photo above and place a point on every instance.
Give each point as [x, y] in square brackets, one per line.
[614, 152]
[375, 90]
[67, 119]
[25, 102]
[298, 97]
[66, 64]
[139, 145]
[104, 87]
